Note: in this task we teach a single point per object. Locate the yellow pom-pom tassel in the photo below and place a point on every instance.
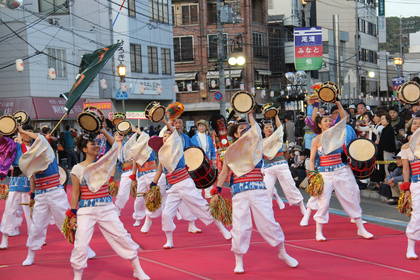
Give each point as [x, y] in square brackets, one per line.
[404, 203]
[316, 184]
[113, 188]
[153, 198]
[4, 191]
[69, 228]
[221, 209]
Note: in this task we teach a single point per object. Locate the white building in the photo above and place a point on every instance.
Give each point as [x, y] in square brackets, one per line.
[63, 33]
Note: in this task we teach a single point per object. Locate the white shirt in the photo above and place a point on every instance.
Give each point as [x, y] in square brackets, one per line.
[203, 140]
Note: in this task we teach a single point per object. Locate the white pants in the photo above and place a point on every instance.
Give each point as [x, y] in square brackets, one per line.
[184, 192]
[259, 204]
[413, 227]
[344, 184]
[143, 182]
[281, 172]
[53, 203]
[123, 190]
[112, 229]
[312, 203]
[12, 216]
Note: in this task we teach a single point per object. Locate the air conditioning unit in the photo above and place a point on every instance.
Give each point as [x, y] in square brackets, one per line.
[53, 21]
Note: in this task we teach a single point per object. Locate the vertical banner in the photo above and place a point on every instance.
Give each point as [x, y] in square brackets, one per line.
[308, 48]
[381, 21]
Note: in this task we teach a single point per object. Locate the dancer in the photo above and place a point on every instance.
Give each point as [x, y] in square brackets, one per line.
[125, 157]
[19, 188]
[91, 204]
[143, 172]
[276, 167]
[410, 155]
[244, 159]
[180, 188]
[337, 175]
[204, 141]
[50, 199]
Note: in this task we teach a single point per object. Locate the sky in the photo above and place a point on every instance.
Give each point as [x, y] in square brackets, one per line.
[404, 8]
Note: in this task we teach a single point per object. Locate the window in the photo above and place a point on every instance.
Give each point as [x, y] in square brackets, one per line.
[135, 58]
[212, 49]
[211, 12]
[189, 14]
[261, 81]
[166, 61]
[152, 53]
[325, 47]
[56, 60]
[188, 85]
[57, 7]
[258, 11]
[260, 44]
[132, 8]
[362, 25]
[183, 49]
[160, 10]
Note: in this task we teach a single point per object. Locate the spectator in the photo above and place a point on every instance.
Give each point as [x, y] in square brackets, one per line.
[386, 146]
[152, 131]
[69, 147]
[396, 122]
[192, 131]
[390, 188]
[352, 111]
[299, 127]
[361, 109]
[289, 128]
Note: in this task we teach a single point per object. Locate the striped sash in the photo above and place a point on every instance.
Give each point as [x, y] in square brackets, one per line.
[47, 182]
[254, 175]
[177, 176]
[87, 194]
[415, 167]
[330, 160]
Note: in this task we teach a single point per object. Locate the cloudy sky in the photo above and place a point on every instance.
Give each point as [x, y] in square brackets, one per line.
[405, 8]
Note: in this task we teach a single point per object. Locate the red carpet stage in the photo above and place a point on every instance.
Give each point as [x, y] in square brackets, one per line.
[207, 255]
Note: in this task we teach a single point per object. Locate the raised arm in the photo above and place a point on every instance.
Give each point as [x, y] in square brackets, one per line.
[33, 135]
[314, 147]
[75, 192]
[278, 122]
[251, 118]
[342, 112]
[108, 136]
[223, 174]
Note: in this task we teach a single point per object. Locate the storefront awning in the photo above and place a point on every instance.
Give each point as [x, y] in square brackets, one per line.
[185, 76]
[39, 108]
[235, 73]
[264, 72]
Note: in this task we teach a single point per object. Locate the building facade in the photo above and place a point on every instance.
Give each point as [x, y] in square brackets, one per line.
[58, 33]
[196, 57]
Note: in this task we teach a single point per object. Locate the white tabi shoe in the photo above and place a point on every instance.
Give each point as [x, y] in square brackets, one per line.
[169, 240]
[138, 272]
[137, 223]
[146, 226]
[226, 234]
[30, 259]
[319, 236]
[411, 250]
[284, 256]
[192, 228]
[4, 242]
[239, 264]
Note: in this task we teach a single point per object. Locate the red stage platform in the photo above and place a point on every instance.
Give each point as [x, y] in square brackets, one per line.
[207, 255]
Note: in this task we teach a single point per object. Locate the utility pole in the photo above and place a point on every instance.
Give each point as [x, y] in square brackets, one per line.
[400, 68]
[357, 49]
[221, 57]
[336, 29]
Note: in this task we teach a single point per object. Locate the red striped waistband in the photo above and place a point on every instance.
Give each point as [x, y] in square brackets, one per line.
[415, 167]
[85, 193]
[254, 175]
[330, 160]
[47, 182]
[177, 176]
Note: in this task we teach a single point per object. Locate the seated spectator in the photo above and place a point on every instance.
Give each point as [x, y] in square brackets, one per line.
[390, 188]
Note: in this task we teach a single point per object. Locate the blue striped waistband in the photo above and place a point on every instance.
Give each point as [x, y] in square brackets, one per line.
[274, 163]
[37, 192]
[247, 186]
[100, 201]
[19, 184]
[330, 168]
[415, 178]
[141, 173]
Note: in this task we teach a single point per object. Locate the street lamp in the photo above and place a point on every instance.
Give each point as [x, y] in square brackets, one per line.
[237, 59]
[398, 61]
[371, 74]
[122, 71]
